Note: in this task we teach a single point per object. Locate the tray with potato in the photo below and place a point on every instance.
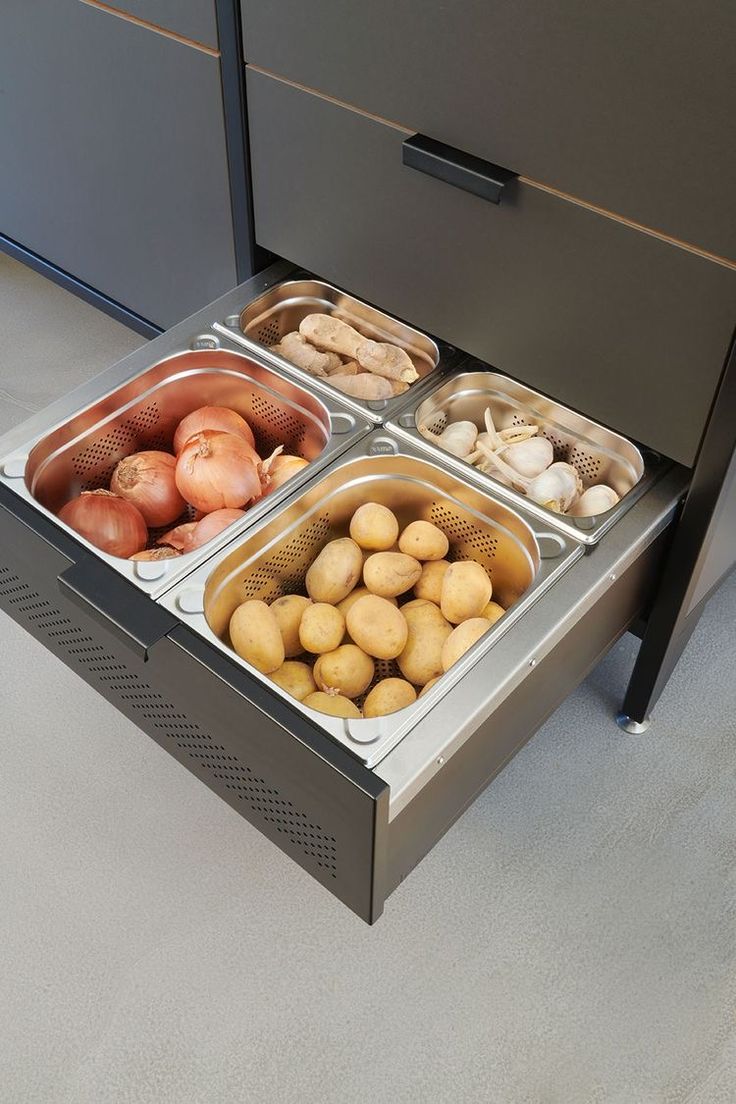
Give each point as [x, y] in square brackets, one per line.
[373, 590]
[339, 343]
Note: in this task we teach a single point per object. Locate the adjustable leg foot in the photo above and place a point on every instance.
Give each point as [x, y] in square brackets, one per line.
[634, 728]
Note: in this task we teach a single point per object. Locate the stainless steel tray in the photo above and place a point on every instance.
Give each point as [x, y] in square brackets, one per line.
[599, 454]
[524, 557]
[80, 452]
[265, 320]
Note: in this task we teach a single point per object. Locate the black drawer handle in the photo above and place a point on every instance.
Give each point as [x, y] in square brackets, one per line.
[455, 167]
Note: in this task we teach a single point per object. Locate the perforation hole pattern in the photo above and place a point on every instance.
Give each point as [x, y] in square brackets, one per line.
[269, 333]
[25, 604]
[95, 464]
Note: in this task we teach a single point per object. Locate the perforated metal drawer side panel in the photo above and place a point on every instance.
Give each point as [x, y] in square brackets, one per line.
[116, 681]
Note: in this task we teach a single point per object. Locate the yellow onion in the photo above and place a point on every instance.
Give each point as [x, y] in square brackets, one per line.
[218, 418]
[147, 479]
[106, 521]
[217, 471]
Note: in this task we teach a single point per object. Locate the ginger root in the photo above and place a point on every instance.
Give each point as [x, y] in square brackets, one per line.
[299, 351]
[364, 386]
[384, 359]
[331, 334]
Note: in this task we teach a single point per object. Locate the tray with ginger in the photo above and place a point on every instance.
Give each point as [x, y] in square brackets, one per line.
[329, 348]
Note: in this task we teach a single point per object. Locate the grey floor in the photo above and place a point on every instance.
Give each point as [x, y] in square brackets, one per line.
[572, 939]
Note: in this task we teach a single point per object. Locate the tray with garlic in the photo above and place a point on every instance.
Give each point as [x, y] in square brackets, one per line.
[534, 448]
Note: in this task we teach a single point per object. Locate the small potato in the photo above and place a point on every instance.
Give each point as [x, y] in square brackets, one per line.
[424, 541]
[377, 626]
[295, 678]
[389, 574]
[360, 592]
[492, 612]
[288, 613]
[421, 659]
[334, 704]
[387, 696]
[321, 629]
[255, 636]
[374, 527]
[335, 571]
[462, 638]
[429, 584]
[428, 687]
[348, 670]
[466, 591]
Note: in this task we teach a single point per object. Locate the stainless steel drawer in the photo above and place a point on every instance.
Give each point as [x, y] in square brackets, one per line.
[620, 325]
[355, 809]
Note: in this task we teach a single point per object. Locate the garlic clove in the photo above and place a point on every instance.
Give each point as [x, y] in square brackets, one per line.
[458, 438]
[531, 457]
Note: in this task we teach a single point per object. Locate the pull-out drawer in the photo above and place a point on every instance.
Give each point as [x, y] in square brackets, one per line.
[628, 106]
[627, 328]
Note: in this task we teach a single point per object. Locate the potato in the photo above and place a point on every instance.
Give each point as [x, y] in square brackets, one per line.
[374, 527]
[321, 629]
[421, 659]
[387, 696]
[377, 626]
[255, 636]
[288, 613]
[425, 689]
[348, 670]
[429, 584]
[335, 571]
[295, 678]
[391, 573]
[424, 541]
[466, 591]
[334, 704]
[360, 592]
[492, 612]
[462, 638]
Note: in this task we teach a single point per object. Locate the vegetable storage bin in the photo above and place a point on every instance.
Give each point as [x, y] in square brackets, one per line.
[357, 815]
[599, 455]
[264, 321]
[81, 451]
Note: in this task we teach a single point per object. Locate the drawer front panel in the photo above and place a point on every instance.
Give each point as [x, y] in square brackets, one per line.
[118, 173]
[626, 105]
[310, 798]
[628, 329]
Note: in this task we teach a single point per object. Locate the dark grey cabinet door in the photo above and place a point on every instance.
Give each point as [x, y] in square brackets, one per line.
[193, 19]
[628, 105]
[628, 329]
[114, 158]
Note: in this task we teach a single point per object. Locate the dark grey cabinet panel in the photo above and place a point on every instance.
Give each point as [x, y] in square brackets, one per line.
[616, 323]
[114, 157]
[628, 105]
[194, 19]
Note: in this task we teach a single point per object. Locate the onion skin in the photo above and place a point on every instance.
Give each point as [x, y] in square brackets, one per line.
[108, 522]
[211, 526]
[157, 554]
[147, 479]
[218, 471]
[179, 538]
[282, 469]
[218, 418]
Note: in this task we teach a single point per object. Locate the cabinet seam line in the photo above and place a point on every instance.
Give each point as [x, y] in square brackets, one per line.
[108, 9]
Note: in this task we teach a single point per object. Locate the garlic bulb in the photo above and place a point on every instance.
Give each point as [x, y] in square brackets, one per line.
[458, 438]
[556, 488]
[525, 452]
[596, 500]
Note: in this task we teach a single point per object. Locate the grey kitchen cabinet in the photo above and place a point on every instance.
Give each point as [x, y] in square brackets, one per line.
[624, 104]
[114, 156]
[628, 329]
[195, 19]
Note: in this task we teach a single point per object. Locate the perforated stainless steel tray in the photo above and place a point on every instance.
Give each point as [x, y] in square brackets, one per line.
[599, 454]
[523, 556]
[265, 320]
[80, 452]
